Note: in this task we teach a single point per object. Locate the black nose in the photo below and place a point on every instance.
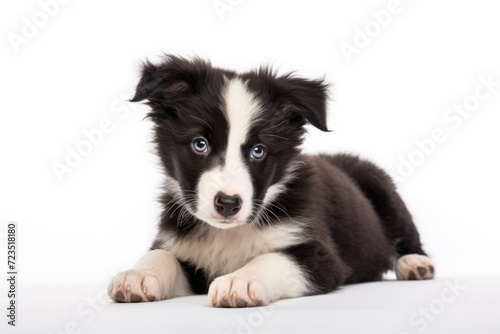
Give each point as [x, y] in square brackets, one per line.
[227, 205]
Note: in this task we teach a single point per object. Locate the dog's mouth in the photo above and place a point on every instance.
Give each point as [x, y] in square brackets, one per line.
[223, 210]
[223, 223]
[217, 221]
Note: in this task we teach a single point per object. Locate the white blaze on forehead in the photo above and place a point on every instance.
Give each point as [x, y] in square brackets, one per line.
[232, 176]
[241, 109]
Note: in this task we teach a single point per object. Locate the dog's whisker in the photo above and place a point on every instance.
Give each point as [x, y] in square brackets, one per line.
[272, 135]
[199, 119]
[275, 126]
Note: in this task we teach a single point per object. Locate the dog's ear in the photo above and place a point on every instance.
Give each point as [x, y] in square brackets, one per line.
[304, 98]
[170, 80]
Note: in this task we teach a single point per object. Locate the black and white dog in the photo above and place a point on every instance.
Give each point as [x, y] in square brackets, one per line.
[247, 218]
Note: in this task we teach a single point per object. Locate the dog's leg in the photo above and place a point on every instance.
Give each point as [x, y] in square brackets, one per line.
[395, 218]
[266, 278]
[156, 276]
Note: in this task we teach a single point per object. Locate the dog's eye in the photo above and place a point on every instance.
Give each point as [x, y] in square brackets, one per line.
[200, 145]
[258, 152]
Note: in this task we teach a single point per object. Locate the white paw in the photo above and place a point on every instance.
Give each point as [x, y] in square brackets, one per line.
[414, 267]
[237, 290]
[134, 286]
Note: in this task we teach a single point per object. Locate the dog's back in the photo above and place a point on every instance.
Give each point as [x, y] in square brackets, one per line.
[368, 219]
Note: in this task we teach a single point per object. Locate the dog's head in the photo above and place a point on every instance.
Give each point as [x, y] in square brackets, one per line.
[228, 140]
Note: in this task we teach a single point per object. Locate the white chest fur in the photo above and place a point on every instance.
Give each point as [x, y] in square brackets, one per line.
[220, 252]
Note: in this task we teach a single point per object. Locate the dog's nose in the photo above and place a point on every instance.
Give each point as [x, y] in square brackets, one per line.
[227, 205]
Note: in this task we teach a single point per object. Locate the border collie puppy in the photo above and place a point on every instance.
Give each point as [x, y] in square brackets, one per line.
[247, 218]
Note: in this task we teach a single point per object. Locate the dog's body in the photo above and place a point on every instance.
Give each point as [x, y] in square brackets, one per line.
[249, 219]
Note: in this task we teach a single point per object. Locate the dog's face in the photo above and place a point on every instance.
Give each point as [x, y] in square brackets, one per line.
[228, 140]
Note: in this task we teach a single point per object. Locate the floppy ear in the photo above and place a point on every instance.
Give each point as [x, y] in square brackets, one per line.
[165, 83]
[304, 98]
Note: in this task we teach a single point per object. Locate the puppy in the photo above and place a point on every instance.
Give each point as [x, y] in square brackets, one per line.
[247, 218]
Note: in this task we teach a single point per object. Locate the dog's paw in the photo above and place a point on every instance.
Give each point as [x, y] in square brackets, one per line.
[237, 290]
[133, 286]
[414, 267]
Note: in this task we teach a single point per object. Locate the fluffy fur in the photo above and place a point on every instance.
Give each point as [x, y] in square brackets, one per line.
[247, 218]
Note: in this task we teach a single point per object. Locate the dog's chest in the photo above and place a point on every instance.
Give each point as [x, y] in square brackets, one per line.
[219, 252]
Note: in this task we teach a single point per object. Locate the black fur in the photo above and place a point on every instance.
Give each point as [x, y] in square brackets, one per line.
[355, 217]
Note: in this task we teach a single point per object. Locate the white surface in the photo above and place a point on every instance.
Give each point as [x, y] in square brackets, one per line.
[389, 307]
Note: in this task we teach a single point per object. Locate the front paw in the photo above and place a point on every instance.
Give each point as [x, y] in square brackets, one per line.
[237, 290]
[134, 286]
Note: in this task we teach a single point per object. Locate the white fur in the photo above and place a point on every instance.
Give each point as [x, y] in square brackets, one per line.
[266, 278]
[420, 265]
[172, 186]
[232, 177]
[222, 252]
[278, 188]
[156, 276]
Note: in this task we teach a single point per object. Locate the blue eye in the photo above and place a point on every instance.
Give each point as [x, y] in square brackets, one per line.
[258, 152]
[200, 145]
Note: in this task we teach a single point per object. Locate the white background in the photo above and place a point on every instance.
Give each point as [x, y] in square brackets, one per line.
[79, 67]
